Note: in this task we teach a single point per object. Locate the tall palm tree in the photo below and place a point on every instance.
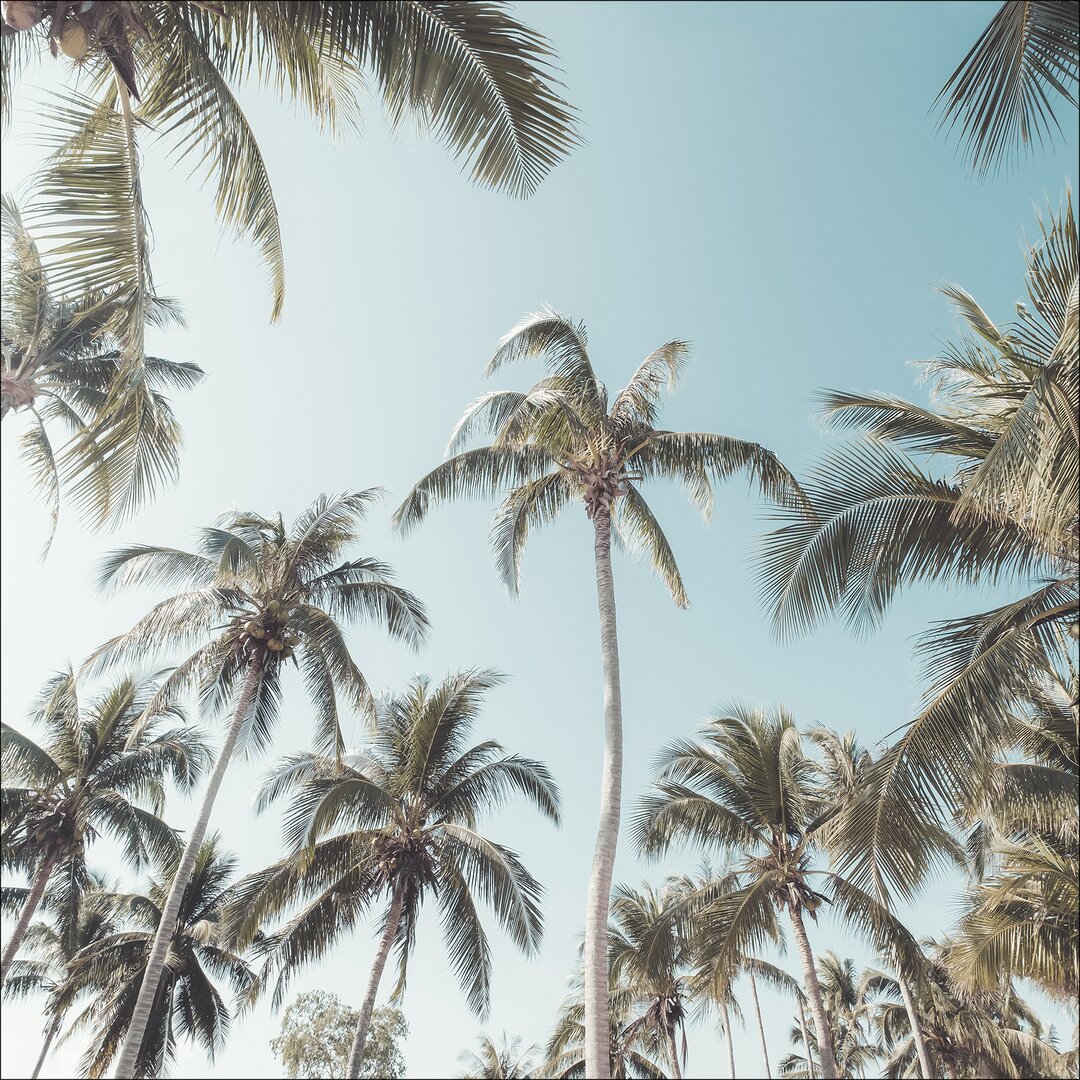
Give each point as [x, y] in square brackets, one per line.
[1003, 422]
[650, 955]
[634, 1051]
[54, 944]
[187, 1002]
[1003, 94]
[256, 595]
[475, 77]
[101, 768]
[561, 442]
[505, 1062]
[400, 818]
[60, 359]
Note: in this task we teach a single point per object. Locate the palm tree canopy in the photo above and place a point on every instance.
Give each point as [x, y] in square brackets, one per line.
[563, 440]
[257, 592]
[507, 1061]
[101, 768]
[1003, 95]
[61, 367]
[400, 816]
[188, 1002]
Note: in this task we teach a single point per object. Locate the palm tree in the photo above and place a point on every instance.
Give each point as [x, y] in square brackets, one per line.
[187, 1002]
[54, 945]
[649, 954]
[560, 442]
[491, 1062]
[1006, 511]
[60, 359]
[1003, 94]
[400, 818]
[100, 769]
[256, 596]
[471, 74]
[634, 1051]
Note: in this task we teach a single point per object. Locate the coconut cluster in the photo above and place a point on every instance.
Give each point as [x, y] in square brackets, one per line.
[266, 631]
[50, 821]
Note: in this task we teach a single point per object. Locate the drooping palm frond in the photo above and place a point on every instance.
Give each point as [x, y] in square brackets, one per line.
[1004, 94]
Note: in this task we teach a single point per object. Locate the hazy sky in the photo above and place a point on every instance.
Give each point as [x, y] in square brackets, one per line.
[761, 179]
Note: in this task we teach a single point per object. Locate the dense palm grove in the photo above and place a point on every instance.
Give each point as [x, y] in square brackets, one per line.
[979, 487]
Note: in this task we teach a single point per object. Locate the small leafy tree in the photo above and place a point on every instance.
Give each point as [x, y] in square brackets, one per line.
[317, 1033]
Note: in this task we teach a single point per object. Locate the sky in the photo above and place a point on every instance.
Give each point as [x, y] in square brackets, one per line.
[762, 180]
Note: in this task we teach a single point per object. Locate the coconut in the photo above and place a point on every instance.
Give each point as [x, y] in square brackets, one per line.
[259, 633]
[21, 14]
[274, 645]
[1074, 631]
[74, 42]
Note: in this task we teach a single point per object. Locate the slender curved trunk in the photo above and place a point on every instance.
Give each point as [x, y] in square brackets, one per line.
[813, 992]
[925, 1064]
[730, 1042]
[673, 1050]
[393, 917]
[54, 1027]
[806, 1039]
[155, 964]
[597, 1023]
[37, 890]
[760, 1027]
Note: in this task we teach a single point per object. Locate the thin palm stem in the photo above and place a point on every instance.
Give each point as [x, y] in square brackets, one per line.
[393, 917]
[673, 1051]
[155, 965]
[806, 1040]
[813, 992]
[730, 1042]
[37, 890]
[925, 1064]
[760, 1027]
[597, 1023]
[54, 1027]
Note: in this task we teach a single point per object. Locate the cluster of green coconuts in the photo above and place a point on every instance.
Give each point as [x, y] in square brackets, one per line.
[53, 823]
[268, 629]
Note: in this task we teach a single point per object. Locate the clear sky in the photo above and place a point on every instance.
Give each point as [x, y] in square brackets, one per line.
[760, 179]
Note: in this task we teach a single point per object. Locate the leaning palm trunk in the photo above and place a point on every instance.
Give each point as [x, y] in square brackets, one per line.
[393, 917]
[673, 1050]
[155, 964]
[37, 890]
[730, 1044]
[925, 1064]
[813, 992]
[761, 1029]
[597, 1024]
[806, 1040]
[54, 1027]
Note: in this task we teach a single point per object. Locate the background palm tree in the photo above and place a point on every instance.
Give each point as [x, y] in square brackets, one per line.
[257, 595]
[59, 361]
[1004, 93]
[101, 768]
[560, 442]
[469, 73]
[1003, 418]
[508, 1061]
[408, 806]
[53, 944]
[187, 1002]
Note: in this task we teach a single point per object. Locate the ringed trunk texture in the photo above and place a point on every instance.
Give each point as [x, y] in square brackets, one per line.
[54, 1027]
[37, 890]
[155, 965]
[805, 1039]
[760, 1028]
[597, 1024]
[356, 1054]
[925, 1064]
[730, 1043]
[813, 992]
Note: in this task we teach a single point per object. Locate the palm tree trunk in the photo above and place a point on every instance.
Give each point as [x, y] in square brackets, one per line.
[155, 965]
[54, 1027]
[813, 992]
[761, 1029]
[730, 1042]
[597, 1023]
[37, 890]
[673, 1050]
[925, 1064]
[393, 917]
[806, 1039]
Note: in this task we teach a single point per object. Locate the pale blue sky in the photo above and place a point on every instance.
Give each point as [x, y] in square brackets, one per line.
[760, 179]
